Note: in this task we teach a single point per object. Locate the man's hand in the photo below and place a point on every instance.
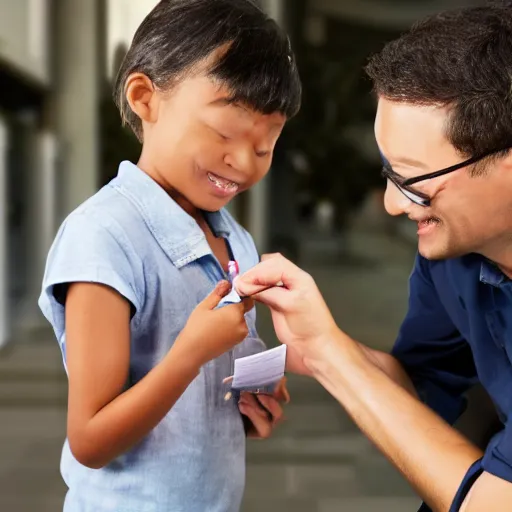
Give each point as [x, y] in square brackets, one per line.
[300, 315]
[295, 363]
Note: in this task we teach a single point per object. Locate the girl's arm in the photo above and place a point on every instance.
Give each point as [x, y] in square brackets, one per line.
[104, 421]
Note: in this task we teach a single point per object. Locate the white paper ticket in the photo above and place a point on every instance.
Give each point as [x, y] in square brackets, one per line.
[260, 372]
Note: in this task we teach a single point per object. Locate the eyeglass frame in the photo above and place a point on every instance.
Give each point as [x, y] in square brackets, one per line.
[403, 184]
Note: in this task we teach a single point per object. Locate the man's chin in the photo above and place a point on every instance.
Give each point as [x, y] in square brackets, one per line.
[436, 253]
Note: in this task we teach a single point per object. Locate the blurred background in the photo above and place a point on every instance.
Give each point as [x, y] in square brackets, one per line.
[321, 205]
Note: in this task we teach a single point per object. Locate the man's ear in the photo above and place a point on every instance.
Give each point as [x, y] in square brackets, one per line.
[142, 97]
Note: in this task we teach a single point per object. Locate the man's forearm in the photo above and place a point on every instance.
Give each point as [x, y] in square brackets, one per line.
[433, 456]
[390, 366]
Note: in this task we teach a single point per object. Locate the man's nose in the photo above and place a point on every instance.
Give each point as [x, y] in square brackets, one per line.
[395, 202]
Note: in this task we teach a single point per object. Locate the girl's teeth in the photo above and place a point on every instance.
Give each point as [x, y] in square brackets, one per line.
[225, 184]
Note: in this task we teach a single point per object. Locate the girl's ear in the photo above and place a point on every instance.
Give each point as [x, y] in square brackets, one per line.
[142, 97]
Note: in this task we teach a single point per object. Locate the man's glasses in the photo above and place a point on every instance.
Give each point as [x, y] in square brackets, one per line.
[417, 197]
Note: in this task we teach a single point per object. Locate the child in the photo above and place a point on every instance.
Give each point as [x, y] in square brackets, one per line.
[207, 86]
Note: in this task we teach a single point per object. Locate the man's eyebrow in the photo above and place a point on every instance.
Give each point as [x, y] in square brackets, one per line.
[410, 161]
[402, 160]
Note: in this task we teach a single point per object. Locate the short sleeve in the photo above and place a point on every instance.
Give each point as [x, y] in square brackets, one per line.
[87, 249]
[497, 461]
[437, 358]
[498, 456]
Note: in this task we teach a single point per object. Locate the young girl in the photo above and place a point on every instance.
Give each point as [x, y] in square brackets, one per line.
[131, 284]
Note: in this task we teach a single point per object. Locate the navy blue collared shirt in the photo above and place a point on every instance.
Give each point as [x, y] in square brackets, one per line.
[457, 332]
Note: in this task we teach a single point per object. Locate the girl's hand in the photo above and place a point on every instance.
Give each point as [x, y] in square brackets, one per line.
[281, 393]
[263, 411]
[211, 332]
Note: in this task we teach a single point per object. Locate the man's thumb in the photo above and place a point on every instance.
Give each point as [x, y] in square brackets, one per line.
[219, 292]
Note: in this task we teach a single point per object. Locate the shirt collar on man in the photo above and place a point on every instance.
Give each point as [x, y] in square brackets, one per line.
[491, 274]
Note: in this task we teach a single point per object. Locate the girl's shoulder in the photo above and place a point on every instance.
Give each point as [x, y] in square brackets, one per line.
[93, 245]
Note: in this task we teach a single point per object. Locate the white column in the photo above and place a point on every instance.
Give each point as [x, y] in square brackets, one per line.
[47, 150]
[4, 298]
[40, 198]
[76, 99]
[258, 195]
[257, 218]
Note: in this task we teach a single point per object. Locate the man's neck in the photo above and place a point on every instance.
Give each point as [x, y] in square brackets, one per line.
[501, 256]
[506, 270]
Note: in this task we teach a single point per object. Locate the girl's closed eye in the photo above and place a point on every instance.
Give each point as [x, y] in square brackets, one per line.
[223, 136]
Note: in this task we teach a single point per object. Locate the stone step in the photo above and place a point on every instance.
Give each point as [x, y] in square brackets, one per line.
[33, 392]
[324, 478]
[360, 504]
[32, 374]
[328, 449]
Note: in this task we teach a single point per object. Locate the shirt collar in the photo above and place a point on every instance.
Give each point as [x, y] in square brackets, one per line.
[175, 230]
[491, 274]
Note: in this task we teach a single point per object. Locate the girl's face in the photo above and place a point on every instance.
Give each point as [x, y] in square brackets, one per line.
[202, 149]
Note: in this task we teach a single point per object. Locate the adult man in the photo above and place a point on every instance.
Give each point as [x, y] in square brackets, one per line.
[444, 129]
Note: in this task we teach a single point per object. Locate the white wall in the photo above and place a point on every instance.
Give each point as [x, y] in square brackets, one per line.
[24, 32]
[123, 19]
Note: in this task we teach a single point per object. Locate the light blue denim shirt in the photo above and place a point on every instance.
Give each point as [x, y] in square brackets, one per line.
[134, 238]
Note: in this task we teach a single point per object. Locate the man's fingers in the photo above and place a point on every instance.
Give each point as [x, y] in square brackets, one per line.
[273, 271]
[269, 256]
[277, 298]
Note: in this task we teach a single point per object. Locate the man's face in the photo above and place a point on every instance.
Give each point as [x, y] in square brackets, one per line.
[467, 213]
[206, 149]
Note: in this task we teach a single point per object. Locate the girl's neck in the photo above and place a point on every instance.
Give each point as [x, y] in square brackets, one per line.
[187, 206]
[183, 202]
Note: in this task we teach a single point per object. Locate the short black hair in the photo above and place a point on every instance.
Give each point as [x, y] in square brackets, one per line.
[460, 59]
[258, 67]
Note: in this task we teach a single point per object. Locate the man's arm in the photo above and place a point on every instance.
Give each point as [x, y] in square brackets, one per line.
[432, 455]
[374, 387]
[391, 367]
